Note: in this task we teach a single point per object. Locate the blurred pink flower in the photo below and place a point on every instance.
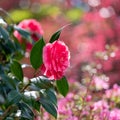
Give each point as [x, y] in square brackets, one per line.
[46, 116]
[100, 83]
[102, 115]
[56, 59]
[88, 98]
[100, 105]
[32, 26]
[113, 93]
[72, 118]
[64, 107]
[37, 118]
[115, 114]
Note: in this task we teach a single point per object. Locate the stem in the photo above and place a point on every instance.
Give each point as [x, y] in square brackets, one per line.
[6, 13]
[87, 91]
[6, 112]
[24, 87]
[36, 72]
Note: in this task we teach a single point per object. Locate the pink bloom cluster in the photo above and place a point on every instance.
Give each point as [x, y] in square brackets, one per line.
[100, 105]
[100, 83]
[56, 59]
[65, 106]
[114, 93]
[114, 114]
[91, 37]
[101, 111]
[32, 26]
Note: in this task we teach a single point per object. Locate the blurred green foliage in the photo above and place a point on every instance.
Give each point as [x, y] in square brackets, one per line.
[73, 14]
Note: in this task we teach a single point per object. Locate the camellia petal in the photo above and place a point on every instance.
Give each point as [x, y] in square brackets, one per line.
[32, 26]
[56, 59]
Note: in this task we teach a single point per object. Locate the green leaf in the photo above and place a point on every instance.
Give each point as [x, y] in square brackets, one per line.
[48, 106]
[24, 33]
[27, 112]
[51, 96]
[17, 70]
[31, 102]
[9, 82]
[36, 54]
[41, 82]
[2, 98]
[9, 118]
[14, 97]
[49, 101]
[56, 35]
[4, 33]
[62, 86]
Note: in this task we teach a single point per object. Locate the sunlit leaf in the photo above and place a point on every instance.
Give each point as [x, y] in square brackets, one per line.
[19, 14]
[41, 83]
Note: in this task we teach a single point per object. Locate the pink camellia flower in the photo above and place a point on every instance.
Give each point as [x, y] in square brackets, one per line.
[32, 26]
[56, 59]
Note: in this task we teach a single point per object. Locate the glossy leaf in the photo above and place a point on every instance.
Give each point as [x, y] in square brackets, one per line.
[51, 96]
[36, 54]
[4, 33]
[24, 33]
[14, 97]
[41, 83]
[2, 98]
[17, 70]
[62, 86]
[49, 107]
[9, 82]
[55, 36]
[31, 102]
[27, 113]
[49, 101]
